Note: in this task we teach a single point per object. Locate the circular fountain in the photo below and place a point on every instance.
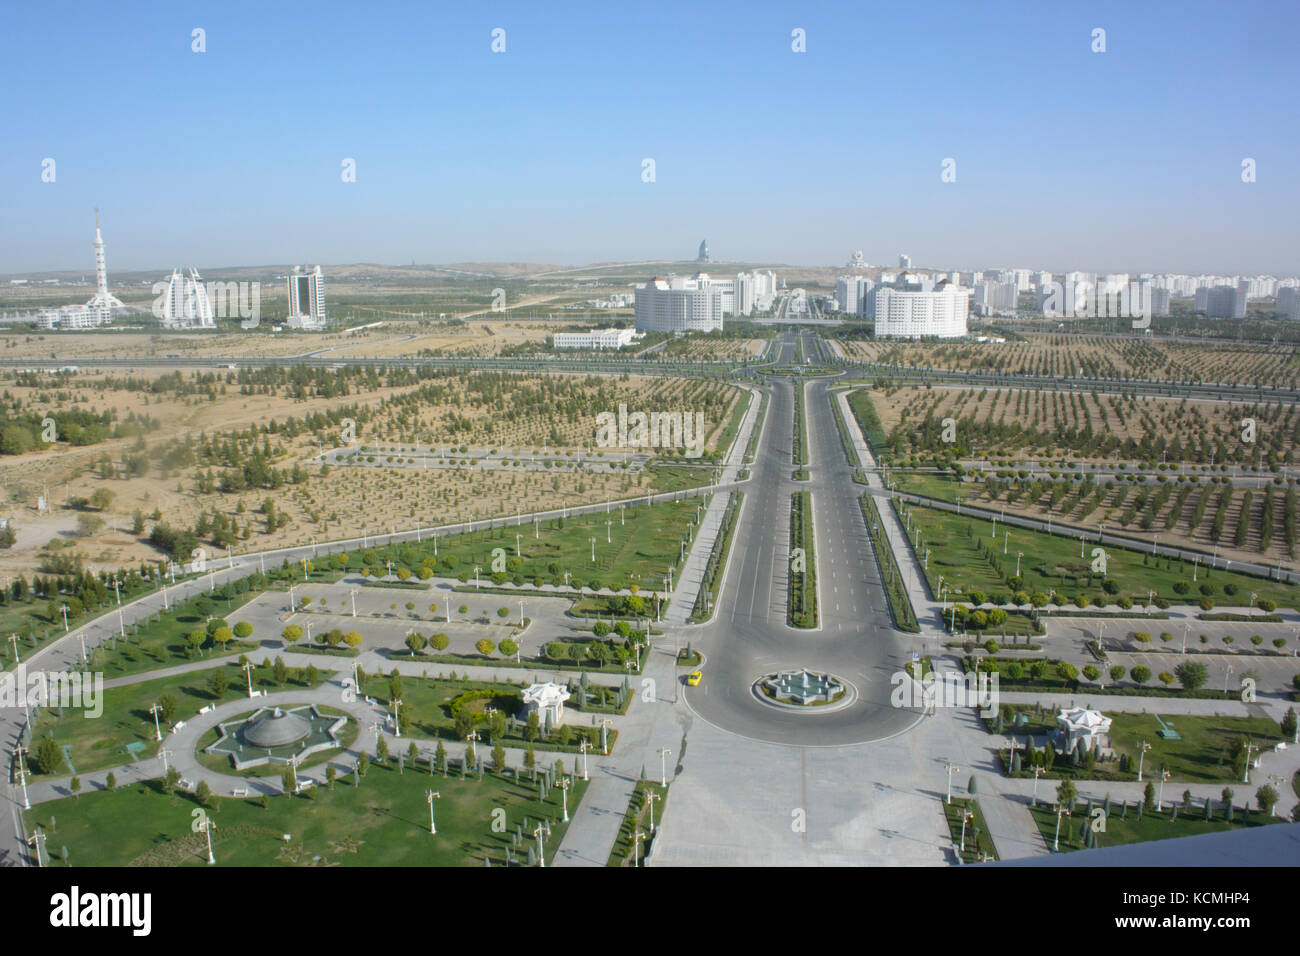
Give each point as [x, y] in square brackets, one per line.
[805, 690]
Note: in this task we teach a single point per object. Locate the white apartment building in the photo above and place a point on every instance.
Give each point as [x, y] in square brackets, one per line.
[306, 299]
[939, 313]
[678, 304]
[596, 339]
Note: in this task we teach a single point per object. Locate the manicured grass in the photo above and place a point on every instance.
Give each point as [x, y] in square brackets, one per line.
[384, 822]
[643, 542]
[899, 602]
[161, 641]
[799, 453]
[865, 412]
[707, 597]
[97, 743]
[426, 713]
[1154, 825]
[1052, 562]
[979, 845]
[801, 601]
[1201, 753]
[637, 818]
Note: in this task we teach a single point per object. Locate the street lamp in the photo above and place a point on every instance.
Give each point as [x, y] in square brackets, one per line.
[248, 669]
[431, 795]
[157, 728]
[951, 769]
[1142, 753]
[663, 765]
[1060, 812]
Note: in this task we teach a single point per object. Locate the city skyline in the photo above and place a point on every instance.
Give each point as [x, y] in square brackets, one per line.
[1096, 164]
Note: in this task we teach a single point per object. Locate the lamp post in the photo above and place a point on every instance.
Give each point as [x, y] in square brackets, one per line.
[966, 814]
[564, 797]
[157, 728]
[431, 795]
[64, 609]
[1033, 800]
[1142, 753]
[541, 848]
[22, 777]
[637, 839]
[248, 669]
[593, 550]
[663, 766]
[1160, 799]
[1245, 777]
[951, 769]
[1056, 841]
[604, 735]
[208, 825]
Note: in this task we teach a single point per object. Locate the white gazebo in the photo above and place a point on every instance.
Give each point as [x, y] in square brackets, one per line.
[548, 702]
[1080, 723]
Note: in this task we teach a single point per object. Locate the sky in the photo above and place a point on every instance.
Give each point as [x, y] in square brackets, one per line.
[1065, 158]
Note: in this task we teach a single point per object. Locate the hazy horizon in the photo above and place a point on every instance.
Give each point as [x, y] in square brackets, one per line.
[1066, 159]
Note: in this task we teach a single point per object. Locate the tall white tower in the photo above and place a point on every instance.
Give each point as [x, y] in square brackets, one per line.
[103, 303]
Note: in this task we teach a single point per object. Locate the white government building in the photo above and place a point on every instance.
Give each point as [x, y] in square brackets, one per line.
[596, 339]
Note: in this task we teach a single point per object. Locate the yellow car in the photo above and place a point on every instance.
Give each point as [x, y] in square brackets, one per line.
[693, 678]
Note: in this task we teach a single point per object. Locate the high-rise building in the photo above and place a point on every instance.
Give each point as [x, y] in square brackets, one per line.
[677, 304]
[904, 261]
[306, 299]
[704, 251]
[1221, 302]
[1160, 301]
[185, 304]
[993, 297]
[939, 313]
[1288, 302]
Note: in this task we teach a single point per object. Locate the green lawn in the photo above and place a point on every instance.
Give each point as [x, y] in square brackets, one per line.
[978, 841]
[1200, 755]
[1052, 562]
[161, 641]
[642, 544]
[97, 743]
[384, 822]
[426, 707]
[637, 818]
[1153, 825]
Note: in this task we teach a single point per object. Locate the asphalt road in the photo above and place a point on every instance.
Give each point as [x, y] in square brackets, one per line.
[748, 635]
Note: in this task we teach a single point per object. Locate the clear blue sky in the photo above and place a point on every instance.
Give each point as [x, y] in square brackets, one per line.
[1123, 160]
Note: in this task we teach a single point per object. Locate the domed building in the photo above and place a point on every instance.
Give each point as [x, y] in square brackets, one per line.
[276, 735]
